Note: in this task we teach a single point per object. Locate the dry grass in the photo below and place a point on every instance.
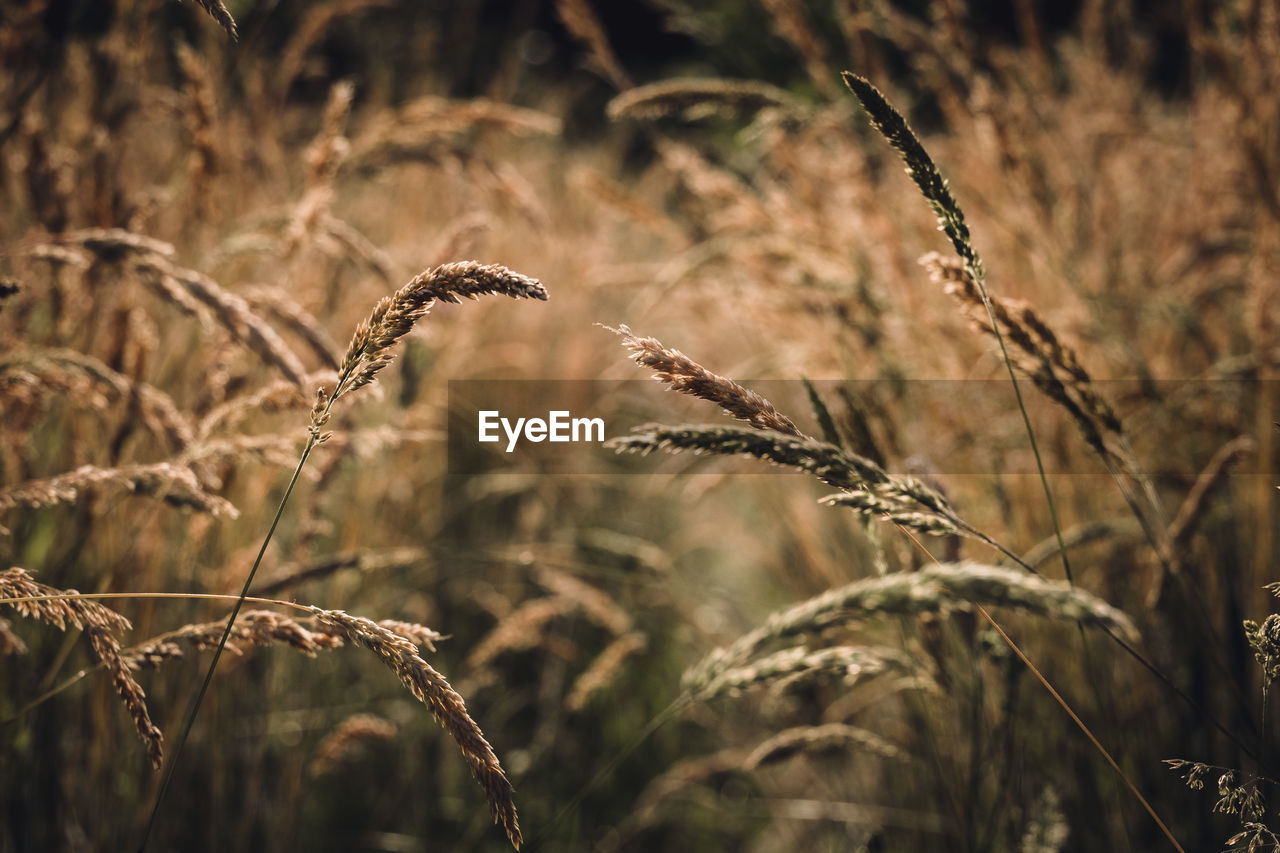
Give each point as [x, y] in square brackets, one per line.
[686, 376]
[693, 98]
[401, 656]
[98, 624]
[346, 737]
[194, 225]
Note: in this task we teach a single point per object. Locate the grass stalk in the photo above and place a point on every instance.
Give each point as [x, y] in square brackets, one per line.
[194, 708]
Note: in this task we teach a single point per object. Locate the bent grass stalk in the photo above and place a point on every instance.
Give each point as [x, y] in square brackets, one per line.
[827, 462]
[1057, 697]
[890, 123]
[894, 128]
[920, 166]
[370, 351]
[103, 596]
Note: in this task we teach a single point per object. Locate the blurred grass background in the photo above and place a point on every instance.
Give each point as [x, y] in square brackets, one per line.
[1120, 166]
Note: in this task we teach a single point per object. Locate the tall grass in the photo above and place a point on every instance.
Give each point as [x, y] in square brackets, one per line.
[201, 210]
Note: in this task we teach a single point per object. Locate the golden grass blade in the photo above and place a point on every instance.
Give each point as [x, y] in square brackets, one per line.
[686, 376]
[174, 484]
[346, 737]
[581, 22]
[831, 737]
[933, 589]
[98, 622]
[693, 97]
[70, 372]
[431, 688]
[395, 315]
[231, 311]
[219, 13]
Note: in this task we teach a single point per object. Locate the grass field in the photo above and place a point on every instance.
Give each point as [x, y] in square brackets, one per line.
[1013, 596]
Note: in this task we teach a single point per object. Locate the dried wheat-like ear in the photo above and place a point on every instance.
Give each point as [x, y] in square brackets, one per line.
[790, 19]
[870, 490]
[603, 670]
[827, 462]
[581, 22]
[219, 13]
[890, 123]
[232, 312]
[82, 614]
[260, 628]
[896, 512]
[1051, 365]
[598, 607]
[59, 369]
[1088, 409]
[431, 688]
[285, 310]
[930, 590]
[201, 116]
[695, 97]
[395, 315]
[339, 743]
[799, 665]
[833, 737]
[176, 485]
[310, 30]
[525, 627]
[686, 376]
[98, 623]
[521, 629]
[311, 220]
[254, 629]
